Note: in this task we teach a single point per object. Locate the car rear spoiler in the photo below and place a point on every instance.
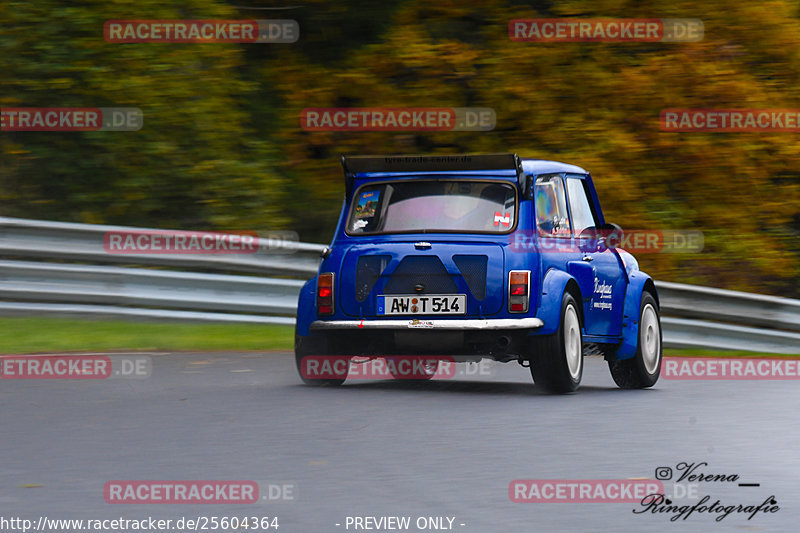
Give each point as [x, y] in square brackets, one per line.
[362, 164]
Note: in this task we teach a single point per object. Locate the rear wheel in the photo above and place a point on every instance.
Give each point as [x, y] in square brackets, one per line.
[557, 359]
[315, 366]
[644, 368]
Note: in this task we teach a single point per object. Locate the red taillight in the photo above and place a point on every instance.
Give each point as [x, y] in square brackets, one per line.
[519, 290]
[325, 294]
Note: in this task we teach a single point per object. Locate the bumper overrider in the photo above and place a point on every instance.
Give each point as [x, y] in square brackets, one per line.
[459, 324]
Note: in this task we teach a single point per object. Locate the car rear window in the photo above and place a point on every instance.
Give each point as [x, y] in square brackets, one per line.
[423, 206]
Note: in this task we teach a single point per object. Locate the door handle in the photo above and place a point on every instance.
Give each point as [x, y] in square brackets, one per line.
[588, 258]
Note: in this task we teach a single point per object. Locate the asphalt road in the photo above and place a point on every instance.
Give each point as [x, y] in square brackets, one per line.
[446, 448]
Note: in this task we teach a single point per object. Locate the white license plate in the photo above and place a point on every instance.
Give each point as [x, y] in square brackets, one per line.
[428, 304]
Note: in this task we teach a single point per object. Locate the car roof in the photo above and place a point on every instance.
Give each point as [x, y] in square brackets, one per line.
[542, 166]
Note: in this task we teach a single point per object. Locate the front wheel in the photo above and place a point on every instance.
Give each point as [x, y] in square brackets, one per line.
[557, 359]
[644, 368]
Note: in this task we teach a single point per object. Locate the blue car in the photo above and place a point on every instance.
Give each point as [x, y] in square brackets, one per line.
[478, 256]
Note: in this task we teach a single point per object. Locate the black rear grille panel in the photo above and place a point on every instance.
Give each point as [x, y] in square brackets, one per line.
[473, 269]
[368, 271]
[424, 270]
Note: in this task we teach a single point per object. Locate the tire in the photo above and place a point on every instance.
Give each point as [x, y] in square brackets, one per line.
[644, 368]
[557, 359]
[423, 368]
[310, 346]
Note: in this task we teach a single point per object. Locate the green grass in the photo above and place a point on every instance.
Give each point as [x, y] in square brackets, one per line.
[38, 335]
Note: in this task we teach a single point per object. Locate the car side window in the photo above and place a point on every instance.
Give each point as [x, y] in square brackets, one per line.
[580, 205]
[551, 206]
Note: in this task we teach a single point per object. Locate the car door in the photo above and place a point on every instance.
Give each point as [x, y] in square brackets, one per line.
[604, 291]
[555, 240]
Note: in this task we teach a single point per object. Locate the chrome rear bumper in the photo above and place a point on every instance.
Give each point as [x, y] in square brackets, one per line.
[457, 324]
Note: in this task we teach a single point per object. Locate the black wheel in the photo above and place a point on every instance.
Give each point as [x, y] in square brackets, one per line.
[557, 359]
[644, 368]
[312, 360]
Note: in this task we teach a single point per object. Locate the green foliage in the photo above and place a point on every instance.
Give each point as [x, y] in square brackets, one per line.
[222, 145]
[196, 162]
[596, 105]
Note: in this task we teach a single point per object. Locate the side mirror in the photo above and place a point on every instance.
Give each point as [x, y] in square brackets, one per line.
[611, 235]
[589, 240]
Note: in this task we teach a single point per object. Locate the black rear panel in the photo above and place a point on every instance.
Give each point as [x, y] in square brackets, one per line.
[371, 270]
[425, 270]
[473, 269]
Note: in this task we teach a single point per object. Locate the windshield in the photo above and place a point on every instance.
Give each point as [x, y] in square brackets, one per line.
[433, 206]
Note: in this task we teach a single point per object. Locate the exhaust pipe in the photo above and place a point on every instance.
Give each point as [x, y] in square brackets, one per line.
[500, 349]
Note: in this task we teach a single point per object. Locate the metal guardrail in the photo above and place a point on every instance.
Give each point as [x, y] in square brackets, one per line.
[704, 317]
[691, 333]
[704, 303]
[31, 239]
[79, 289]
[126, 287]
[694, 316]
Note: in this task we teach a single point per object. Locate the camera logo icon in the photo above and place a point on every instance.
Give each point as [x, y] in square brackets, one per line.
[663, 473]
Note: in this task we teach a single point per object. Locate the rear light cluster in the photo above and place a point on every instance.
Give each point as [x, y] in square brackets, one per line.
[325, 294]
[519, 291]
